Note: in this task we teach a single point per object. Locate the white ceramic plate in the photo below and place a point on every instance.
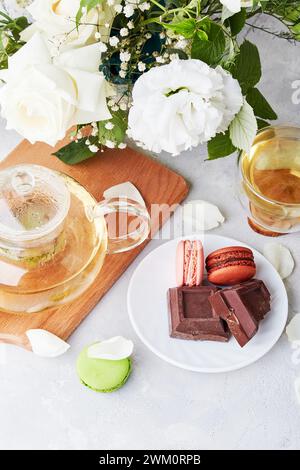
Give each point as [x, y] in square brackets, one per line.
[147, 306]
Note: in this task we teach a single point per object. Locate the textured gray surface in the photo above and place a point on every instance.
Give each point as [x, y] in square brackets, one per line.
[43, 405]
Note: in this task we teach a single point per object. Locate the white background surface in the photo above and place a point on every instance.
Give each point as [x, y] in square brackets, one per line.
[43, 405]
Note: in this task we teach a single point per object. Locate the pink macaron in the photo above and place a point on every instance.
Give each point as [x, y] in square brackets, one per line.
[189, 263]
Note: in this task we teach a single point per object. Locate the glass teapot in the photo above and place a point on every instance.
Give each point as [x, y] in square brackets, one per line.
[54, 237]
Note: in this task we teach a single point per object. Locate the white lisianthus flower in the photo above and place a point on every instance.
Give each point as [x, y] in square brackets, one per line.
[234, 6]
[182, 104]
[56, 20]
[42, 98]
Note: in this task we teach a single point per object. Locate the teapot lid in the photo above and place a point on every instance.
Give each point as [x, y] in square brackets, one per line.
[34, 201]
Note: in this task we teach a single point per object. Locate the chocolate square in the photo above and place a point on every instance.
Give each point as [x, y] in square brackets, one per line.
[243, 307]
[191, 316]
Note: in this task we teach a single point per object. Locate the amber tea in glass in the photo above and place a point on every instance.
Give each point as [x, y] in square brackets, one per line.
[270, 180]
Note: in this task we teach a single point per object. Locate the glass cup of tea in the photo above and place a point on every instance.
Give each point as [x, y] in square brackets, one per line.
[269, 181]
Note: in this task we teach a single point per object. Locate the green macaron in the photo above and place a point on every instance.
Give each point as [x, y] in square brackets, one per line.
[102, 375]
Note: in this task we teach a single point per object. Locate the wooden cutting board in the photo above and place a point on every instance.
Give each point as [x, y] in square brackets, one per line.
[157, 185]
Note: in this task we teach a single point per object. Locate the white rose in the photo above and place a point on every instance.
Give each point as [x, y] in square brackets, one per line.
[56, 19]
[182, 104]
[234, 6]
[42, 98]
[15, 8]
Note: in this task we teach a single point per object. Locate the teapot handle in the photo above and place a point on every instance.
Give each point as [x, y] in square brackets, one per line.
[128, 223]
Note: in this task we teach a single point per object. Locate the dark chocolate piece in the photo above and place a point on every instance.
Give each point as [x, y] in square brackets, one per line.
[191, 315]
[243, 307]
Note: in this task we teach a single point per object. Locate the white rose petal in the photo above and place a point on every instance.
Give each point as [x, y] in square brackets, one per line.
[126, 190]
[281, 258]
[113, 349]
[202, 215]
[46, 344]
[56, 20]
[293, 329]
[183, 104]
[43, 97]
[35, 54]
[15, 8]
[83, 58]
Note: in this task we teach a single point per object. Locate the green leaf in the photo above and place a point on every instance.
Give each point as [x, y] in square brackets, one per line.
[261, 124]
[193, 4]
[117, 134]
[88, 4]
[185, 28]
[21, 23]
[202, 35]
[4, 15]
[212, 49]
[261, 3]
[220, 146]
[188, 27]
[260, 105]
[74, 153]
[288, 12]
[237, 21]
[296, 31]
[243, 128]
[247, 68]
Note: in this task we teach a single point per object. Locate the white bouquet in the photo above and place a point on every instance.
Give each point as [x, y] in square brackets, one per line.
[170, 75]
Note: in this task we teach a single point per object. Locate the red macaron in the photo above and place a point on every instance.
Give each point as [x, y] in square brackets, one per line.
[230, 265]
[189, 263]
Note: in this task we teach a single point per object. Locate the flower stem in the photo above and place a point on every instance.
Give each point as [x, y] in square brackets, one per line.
[158, 5]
